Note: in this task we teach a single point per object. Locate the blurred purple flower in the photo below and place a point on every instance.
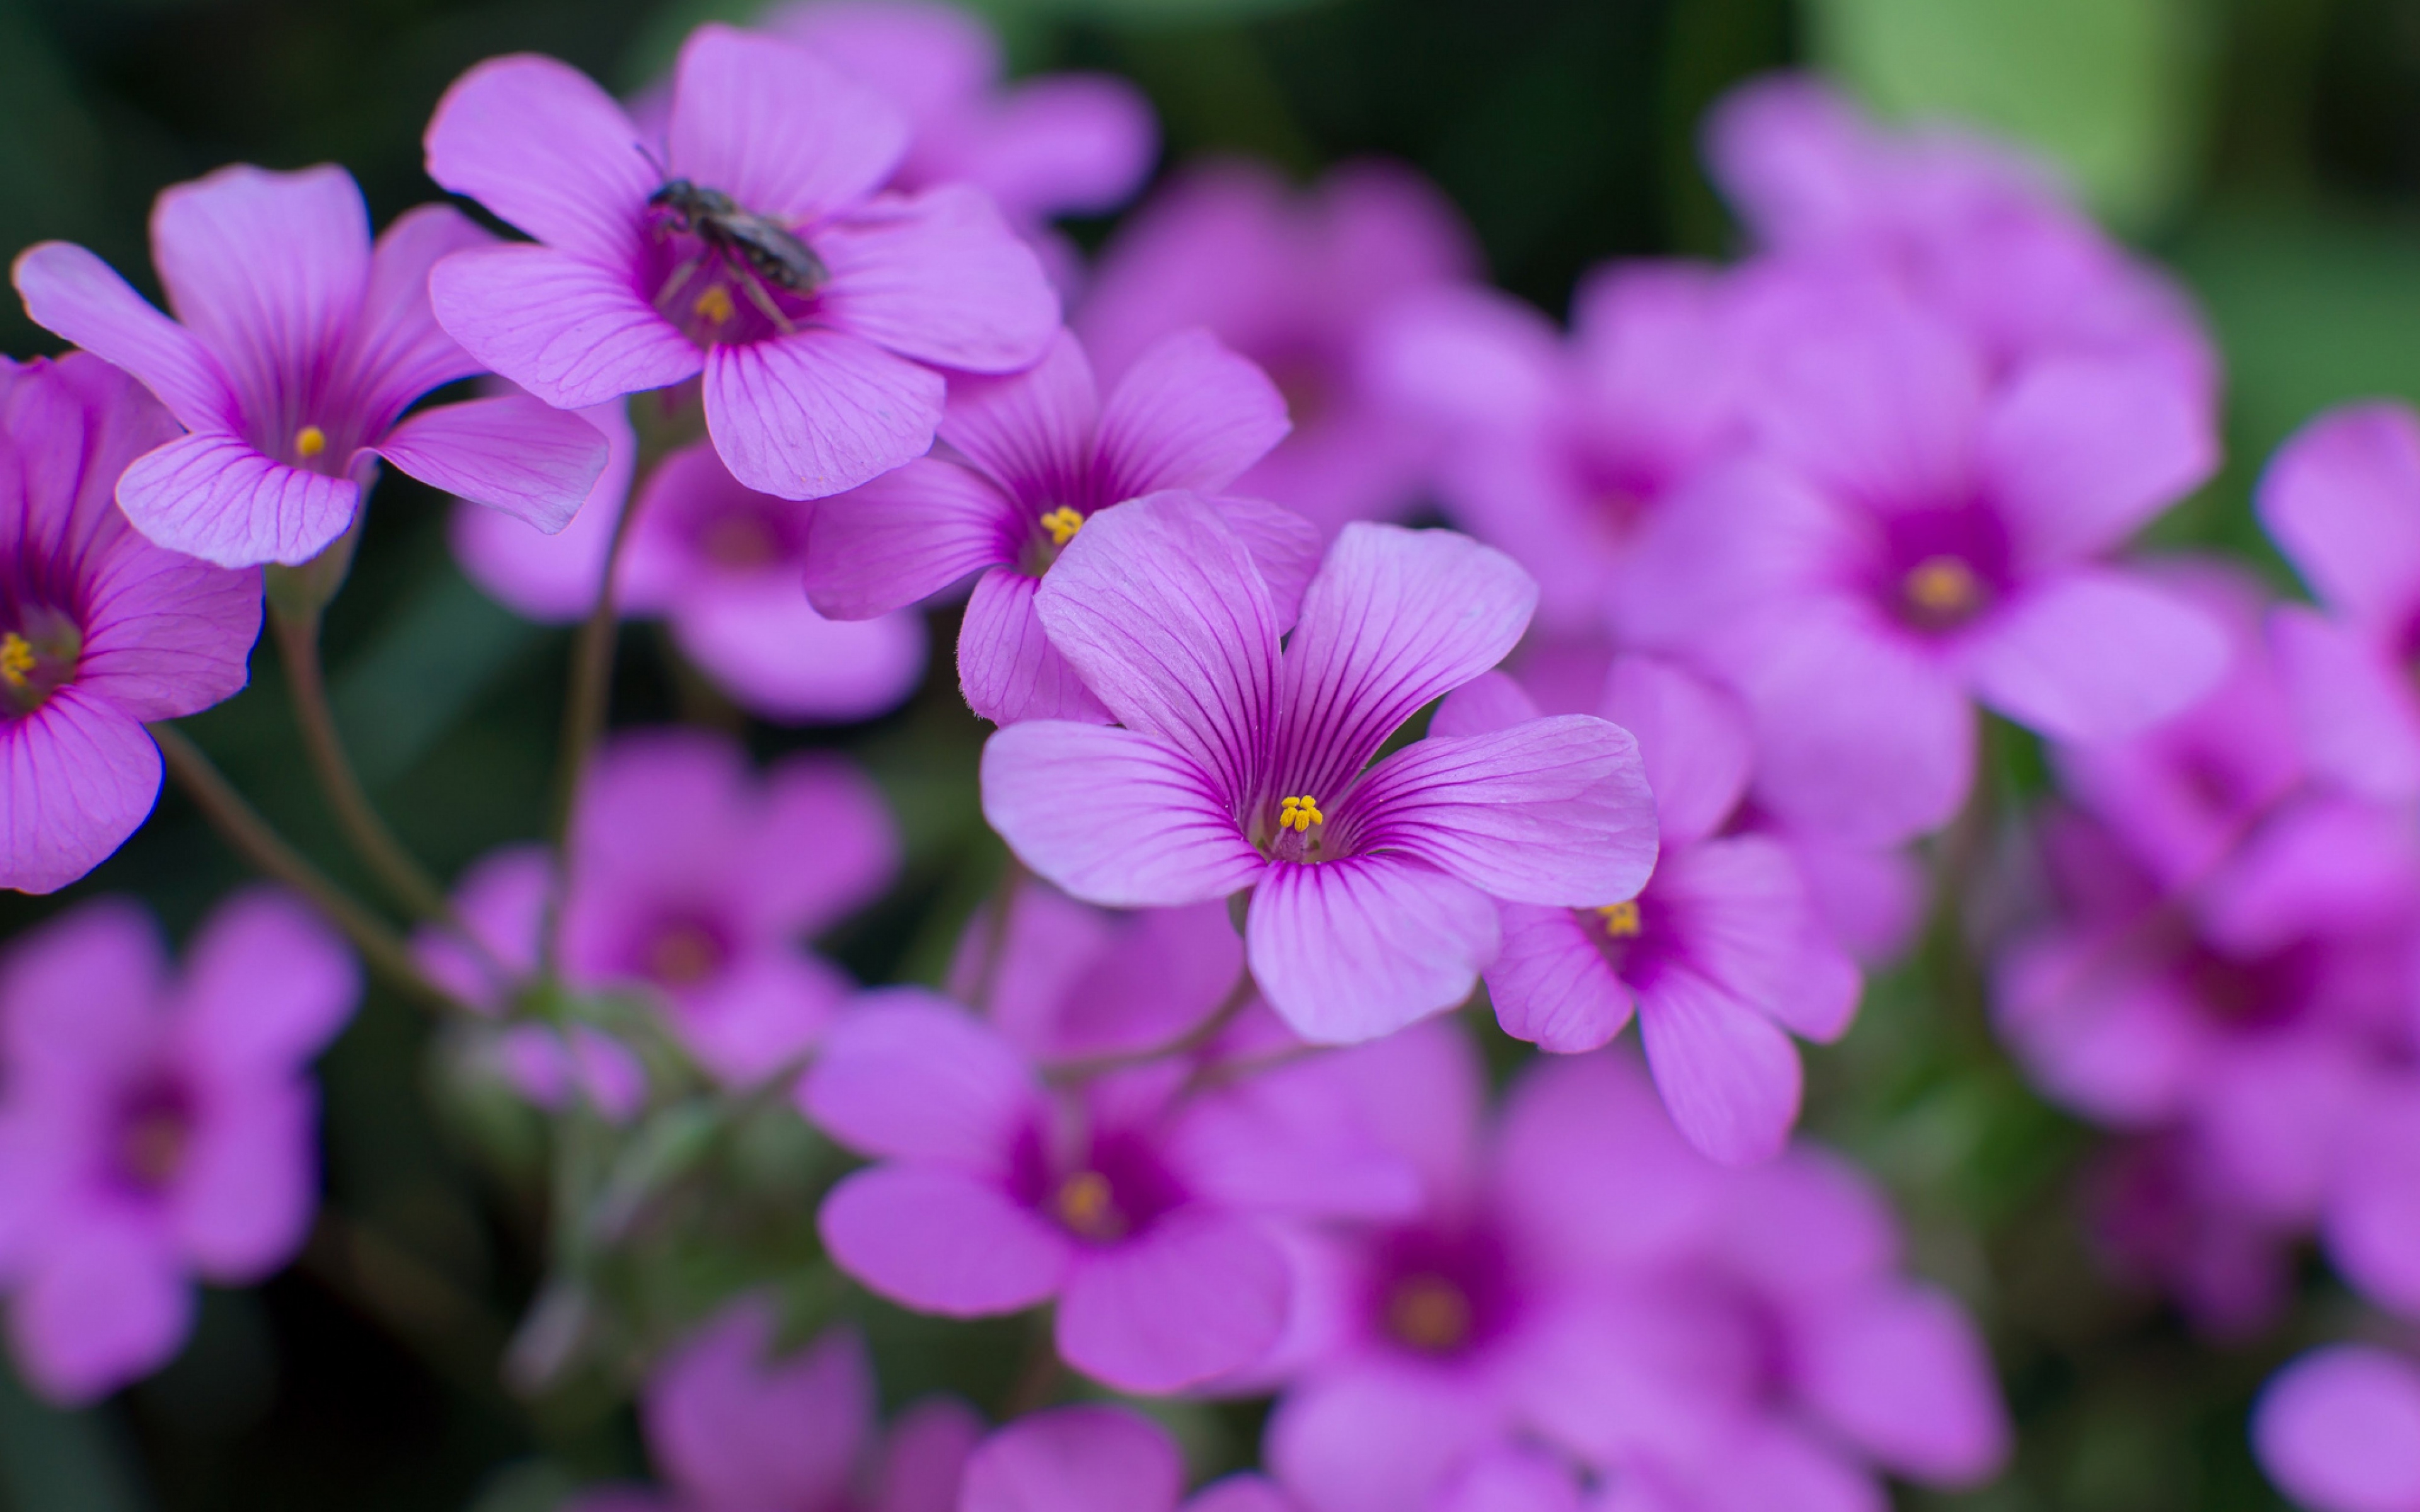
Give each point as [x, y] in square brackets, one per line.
[1722, 950]
[1299, 283]
[693, 883]
[1373, 891]
[2162, 1214]
[551, 578]
[2339, 1429]
[1910, 534]
[1097, 1460]
[155, 1127]
[735, 1428]
[814, 380]
[99, 629]
[295, 349]
[1149, 1213]
[1037, 455]
[1972, 227]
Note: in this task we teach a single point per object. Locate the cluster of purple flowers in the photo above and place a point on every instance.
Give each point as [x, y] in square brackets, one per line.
[1742, 560]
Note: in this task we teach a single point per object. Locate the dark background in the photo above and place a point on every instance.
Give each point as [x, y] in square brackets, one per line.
[2277, 169]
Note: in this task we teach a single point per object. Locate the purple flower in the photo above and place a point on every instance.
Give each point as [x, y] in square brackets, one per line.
[1152, 1215]
[1063, 144]
[1038, 454]
[2338, 1430]
[2371, 1224]
[693, 883]
[155, 1128]
[295, 349]
[1097, 1460]
[2342, 499]
[1722, 952]
[817, 375]
[1065, 980]
[1557, 452]
[1300, 284]
[1373, 890]
[1910, 533]
[1969, 225]
[99, 629]
[735, 1428]
[2162, 1212]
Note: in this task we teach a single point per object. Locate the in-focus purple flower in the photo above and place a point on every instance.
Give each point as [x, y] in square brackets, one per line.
[1097, 1460]
[1300, 284]
[1722, 952]
[2342, 499]
[296, 348]
[155, 1126]
[733, 1427]
[2338, 1430]
[694, 883]
[819, 362]
[1150, 1214]
[1063, 144]
[1372, 886]
[1912, 533]
[1065, 980]
[1972, 227]
[99, 629]
[1557, 450]
[1037, 455]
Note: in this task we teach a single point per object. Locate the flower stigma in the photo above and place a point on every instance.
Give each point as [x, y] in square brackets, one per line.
[1429, 1313]
[310, 442]
[1089, 1209]
[1620, 920]
[1299, 814]
[1943, 588]
[1062, 524]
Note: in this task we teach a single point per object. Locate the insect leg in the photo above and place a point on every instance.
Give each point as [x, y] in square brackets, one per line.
[763, 298]
[678, 282]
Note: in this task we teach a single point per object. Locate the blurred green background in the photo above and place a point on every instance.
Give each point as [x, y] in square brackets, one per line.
[2268, 149]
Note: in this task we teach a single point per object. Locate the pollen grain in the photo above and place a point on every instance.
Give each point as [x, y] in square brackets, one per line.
[1062, 524]
[310, 442]
[1299, 814]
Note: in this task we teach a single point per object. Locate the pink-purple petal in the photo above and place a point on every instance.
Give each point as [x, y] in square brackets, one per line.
[759, 641]
[817, 413]
[1084, 1458]
[1113, 816]
[1693, 737]
[540, 143]
[1285, 547]
[509, 453]
[910, 1076]
[569, 331]
[2353, 706]
[1008, 669]
[942, 1242]
[906, 536]
[398, 352]
[1197, 1295]
[77, 777]
[73, 293]
[1356, 948]
[106, 1308]
[211, 496]
[782, 131]
[1551, 985]
[2095, 654]
[1188, 414]
[2081, 452]
[1729, 1077]
[2343, 500]
[2339, 1431]
[940, 278]
[1900, 1372]
[1032, 432]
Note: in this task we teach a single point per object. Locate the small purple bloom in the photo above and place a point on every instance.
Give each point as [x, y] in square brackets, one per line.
[1912, 533]
[1301, 285]
[1152, 1215]
[1097, 1460]
[1036, 457]
[2161, 1211]
[693, 881]
[296, 348]
[2338, 1430]
[1722, 952]
[101, 630]
[735, 1428]
[2342, 499]
[1238, 769]
[819, 362]
[155, 1127]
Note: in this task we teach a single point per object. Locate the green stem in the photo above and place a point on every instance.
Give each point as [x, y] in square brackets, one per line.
[592, 671]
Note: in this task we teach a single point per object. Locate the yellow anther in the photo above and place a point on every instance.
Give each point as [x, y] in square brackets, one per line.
[1620, 919]
[1430, 1314]
[714, 304]
[16, 659]
[1299, 814]
[1062, 524]
[310, 442]
[1945, 587]
[1089, 1208]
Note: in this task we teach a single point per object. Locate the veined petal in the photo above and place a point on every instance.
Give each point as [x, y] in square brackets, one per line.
[214, 497]
[1113, 816]
[1188, 414]
[817, 413]
[538, 143]
[1552, 812]
[1160, 608]
[1729, 1076]
[1031, 431]
[73, 293]
[906, 536]
[169, 636]
[1551, 985]
[509, 453]
[1284, 546]
[778, 128]
[1008, 669]
[398, 352]
[572, 332]
[1395, 619]
[76, 777]
[1356, 948]
[939, 277]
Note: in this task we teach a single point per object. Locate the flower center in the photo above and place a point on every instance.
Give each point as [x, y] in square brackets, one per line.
[1429, 1313]
[155, 1133]
[684, 955]
[1942, 591]
[1299, 814]
[17, 659]
[1062, 524]
[729, 275]
[1619, 920]
[37, 659]
[1088, 1206]
[744, 540]
[310, 442]
[713, 304]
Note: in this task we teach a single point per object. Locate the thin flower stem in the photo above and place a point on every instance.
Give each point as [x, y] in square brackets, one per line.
[251, 836]
[1238, 997]
[586, 700]
[404, 878]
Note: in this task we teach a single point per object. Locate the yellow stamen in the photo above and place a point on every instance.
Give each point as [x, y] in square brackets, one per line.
[1944, 586]
[1429, 1313]
[1620, 919]
[310, 442]
[16, 659]
[1299, 814]
[1062, 524]
[1088, 1207]
[714, 304]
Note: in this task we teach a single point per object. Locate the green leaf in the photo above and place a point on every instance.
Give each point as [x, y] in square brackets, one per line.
[2112, 90]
